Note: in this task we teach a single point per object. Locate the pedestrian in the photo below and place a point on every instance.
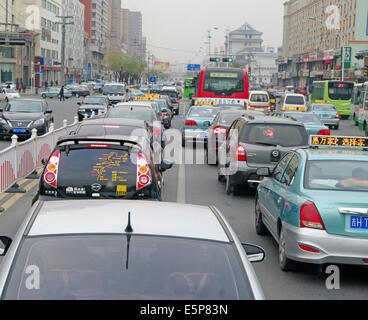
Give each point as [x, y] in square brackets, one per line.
[46, 84]
[24, 88]
[52, 83]
[61, 93]
[56, 83]
[20, 87]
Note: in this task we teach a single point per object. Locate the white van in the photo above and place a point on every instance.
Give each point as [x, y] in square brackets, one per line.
[292, 102]
[259, 101]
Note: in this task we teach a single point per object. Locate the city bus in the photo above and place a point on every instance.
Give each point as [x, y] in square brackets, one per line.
[223, 86]
[363, 109]
[355, 102]
[188, 88]
[338, 93]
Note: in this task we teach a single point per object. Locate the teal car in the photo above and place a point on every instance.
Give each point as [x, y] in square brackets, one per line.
[327, 113]
[312, 123]
[197, 121]
[53, 92]
[315, 203]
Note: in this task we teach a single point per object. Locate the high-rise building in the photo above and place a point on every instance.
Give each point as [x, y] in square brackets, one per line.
[115, 24]
[96, 27]
[135, 33]
[74, 40]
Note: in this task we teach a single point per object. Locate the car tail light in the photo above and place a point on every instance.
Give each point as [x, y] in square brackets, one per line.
[156, 132]
[324, 132]
[337, 116]
[51, 171]
[241, 154]
[143, 172]
[310, 217]
[94, 145]
[165, 114]
[219, 130]
[190, 123]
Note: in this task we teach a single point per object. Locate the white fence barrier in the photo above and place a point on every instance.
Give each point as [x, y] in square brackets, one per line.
[20, 159]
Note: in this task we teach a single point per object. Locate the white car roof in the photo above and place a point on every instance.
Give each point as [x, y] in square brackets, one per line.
[259, 92]
[294, 94]
[134, 103]
[111, 217]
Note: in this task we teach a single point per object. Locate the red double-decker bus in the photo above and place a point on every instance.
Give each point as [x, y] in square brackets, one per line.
[223, 85]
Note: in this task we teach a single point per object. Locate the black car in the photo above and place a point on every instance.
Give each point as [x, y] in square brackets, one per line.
[106, 167]
[91, 104]
[19, 117]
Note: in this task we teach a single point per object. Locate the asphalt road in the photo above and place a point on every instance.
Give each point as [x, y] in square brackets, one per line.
[197, 184]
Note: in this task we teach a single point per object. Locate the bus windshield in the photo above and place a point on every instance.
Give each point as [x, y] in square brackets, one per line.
[223, 83]
[340, 90]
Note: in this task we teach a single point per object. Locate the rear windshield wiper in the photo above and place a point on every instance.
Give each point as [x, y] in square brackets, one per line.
[266, 143]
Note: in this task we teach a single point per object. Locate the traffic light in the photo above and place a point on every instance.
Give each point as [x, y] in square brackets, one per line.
[249, 71]
[215, 59]
[227, 59]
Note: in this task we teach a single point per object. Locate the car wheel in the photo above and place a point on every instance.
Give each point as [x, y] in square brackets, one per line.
[285, 263]
[183, 142]
[6, 100]
[78, 95]
[261, 229]
[337, 127]
[230, 188]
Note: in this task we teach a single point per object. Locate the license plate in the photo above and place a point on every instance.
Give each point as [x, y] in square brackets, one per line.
[325, 116]
[19, 130]
[203, 135]
[357, 222]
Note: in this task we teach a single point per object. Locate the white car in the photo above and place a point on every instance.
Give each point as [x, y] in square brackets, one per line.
[127, 250]
[8, 94]
[292, 102]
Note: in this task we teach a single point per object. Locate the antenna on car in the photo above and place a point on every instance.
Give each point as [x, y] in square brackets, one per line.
[128, 230]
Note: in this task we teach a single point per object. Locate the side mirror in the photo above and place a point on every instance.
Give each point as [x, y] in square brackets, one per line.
[263, 172]
[44, 161]
[254, 253]
[4, 245]
[166, 165]
[79, 103]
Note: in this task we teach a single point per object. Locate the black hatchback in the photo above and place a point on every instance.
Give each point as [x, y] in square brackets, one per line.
[107, 167]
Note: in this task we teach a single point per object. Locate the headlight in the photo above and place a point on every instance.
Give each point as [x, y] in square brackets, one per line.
[3, 122]
[82, 110]
[39, 122]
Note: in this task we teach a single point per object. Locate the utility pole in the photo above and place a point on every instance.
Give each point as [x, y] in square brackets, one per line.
[63, 32]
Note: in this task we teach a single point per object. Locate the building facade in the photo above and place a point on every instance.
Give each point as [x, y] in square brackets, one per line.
[135, 33]
[316, 54]
[74, 40]
[115, 24]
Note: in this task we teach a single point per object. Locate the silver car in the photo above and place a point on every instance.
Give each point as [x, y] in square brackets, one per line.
[121, 250]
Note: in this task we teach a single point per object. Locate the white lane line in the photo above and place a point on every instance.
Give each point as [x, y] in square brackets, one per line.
[181, 196]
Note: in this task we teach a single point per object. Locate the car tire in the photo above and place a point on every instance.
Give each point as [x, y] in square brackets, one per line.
[285, 263]
[43, 96]
[261, 228]
[337, 127]
[78, 96]
[183, 142]
[230, 188]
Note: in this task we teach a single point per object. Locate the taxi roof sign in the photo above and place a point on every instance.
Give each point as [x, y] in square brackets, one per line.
[323, 101]
[337, 141]
[144, 98]
[155, 96]
[206, 103]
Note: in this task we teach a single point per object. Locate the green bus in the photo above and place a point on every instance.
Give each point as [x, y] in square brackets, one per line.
[188, 89]
[339, 93]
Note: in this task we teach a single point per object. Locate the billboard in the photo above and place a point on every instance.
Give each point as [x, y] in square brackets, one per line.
[162, 66]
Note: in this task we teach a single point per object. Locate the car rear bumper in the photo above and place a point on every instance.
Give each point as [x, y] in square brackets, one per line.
[331, 122]
[333, 249]
[197, 135]
[245, 175]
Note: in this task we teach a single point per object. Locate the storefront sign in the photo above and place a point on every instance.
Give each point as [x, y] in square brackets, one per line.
[328, 54]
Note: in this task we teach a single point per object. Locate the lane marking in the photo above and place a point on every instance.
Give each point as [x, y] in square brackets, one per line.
[9, 203]
[181, 196]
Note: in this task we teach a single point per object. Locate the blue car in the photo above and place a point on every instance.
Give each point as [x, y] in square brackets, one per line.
[197, 122]
[312, 123]
[315, 203]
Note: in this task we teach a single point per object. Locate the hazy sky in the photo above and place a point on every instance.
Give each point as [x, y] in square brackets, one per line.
[183, 24]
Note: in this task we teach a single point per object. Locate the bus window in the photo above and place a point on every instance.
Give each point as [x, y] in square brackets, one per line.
[340, 90]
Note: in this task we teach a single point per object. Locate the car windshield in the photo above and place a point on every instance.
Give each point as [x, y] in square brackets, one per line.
[306, 118]
[295, 100]
[110, 129]
[118, 267]
[259, 98]
[170, 93]
[323, 107]
[113, 169]
[285, 135]
[140, 113]
[24, 106]
[202, 112]
[348, 175]
[114, 89]
[93, 100]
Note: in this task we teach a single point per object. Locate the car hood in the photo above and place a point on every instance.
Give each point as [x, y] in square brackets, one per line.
[22, 115]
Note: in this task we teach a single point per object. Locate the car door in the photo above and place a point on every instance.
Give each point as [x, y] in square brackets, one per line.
[270, 195]
[48, 116]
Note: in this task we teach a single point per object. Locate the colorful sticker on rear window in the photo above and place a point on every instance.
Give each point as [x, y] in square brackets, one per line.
[109, 161]
[121, 190]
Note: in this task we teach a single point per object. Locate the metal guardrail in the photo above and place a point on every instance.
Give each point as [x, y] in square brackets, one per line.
[21, 159]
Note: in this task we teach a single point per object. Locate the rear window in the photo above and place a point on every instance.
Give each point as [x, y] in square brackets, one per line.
[306, 118]
[285, 135]
[294, 100]
[107, 172]
[228, 118]
[170, 93]
[136, 113]
[323, 107]
[101, 130]
[202, 112]
[259, 98]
